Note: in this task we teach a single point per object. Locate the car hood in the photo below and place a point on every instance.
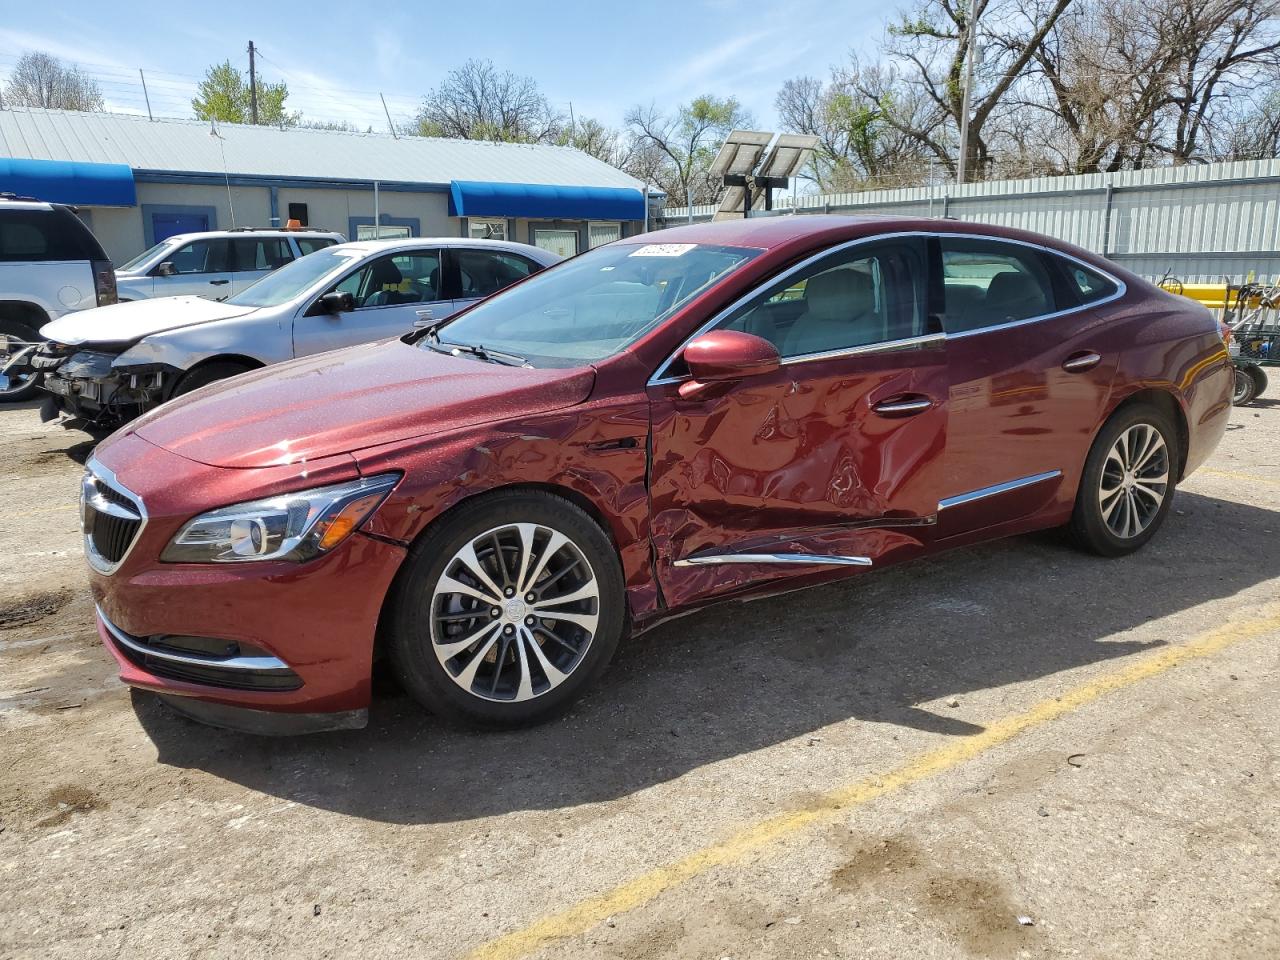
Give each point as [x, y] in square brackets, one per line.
[335, 403]
[129, 322]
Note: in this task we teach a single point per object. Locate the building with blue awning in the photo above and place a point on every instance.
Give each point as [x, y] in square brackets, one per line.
[137, 181]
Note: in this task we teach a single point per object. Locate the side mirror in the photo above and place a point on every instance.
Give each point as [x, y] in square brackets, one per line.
[336, 302]
[166, 269]
[725, 356]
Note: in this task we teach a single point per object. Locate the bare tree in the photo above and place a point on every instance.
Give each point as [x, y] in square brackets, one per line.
[478, 102]
[684, 143]
[40, 79]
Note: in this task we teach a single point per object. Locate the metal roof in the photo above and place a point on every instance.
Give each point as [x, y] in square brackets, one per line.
[189, 146]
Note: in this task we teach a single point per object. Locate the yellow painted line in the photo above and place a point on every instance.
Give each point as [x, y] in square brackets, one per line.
[589, 913]
[32, 513]
[1238, 476]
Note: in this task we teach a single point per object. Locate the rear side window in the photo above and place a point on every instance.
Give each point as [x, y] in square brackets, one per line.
[986, 283]
[57, 234]
[1090, 285]
[484, 272]
[260, 253]
[312, 244]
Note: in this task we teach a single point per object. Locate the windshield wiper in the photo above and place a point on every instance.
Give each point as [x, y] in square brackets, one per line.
[487, 355]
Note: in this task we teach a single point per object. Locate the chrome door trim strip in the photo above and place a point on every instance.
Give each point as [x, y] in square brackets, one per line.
[97, 562]
[1122, 288]
[996, 490]
[888, 346]
[230, 663]
[790, 558]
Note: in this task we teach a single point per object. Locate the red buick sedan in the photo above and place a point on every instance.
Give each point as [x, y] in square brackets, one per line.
[711, 412]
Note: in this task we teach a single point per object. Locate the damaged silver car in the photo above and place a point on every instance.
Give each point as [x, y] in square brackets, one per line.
[103, 367]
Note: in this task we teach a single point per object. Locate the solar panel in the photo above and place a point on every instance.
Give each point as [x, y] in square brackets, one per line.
[749, 175]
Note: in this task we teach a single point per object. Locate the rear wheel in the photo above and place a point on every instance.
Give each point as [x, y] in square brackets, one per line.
[508, 610]
[1127, 486]
[206, 374]
[1245, 387]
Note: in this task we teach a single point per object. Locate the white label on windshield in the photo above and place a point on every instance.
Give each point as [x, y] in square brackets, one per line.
[663, 250]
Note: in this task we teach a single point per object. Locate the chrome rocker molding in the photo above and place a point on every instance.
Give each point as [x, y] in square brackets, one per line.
[99, 563]
[996, 490]
[799, 558]
[228, 663]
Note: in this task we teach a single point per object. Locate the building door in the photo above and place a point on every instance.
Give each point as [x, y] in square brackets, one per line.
[166, 225]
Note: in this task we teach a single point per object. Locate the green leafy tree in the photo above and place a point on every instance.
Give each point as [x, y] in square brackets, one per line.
[686, 142]
[225, 95]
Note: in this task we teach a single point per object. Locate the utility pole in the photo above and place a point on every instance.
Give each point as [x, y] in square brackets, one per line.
[252, 85]
[971, 46]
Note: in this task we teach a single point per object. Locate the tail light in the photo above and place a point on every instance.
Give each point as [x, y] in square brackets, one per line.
[104, 282]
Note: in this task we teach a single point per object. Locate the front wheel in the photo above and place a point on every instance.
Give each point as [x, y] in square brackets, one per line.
[508, 610]
[17, 386]
[1127, 486]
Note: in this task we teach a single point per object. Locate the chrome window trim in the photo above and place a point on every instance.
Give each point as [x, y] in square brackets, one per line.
[997, 489]
[231, 663]
[98, 562]
[797, 558]
[658, 378]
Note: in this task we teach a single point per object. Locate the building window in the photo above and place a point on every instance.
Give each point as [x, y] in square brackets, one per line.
[562, 242]
[367, 231]
[487, 229]
[599, 234]
[298, 211]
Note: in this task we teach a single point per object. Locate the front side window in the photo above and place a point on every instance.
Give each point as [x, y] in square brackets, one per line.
[988, 282]
[395, 279]
[201, 256]
[483, 272]
[592, 307]
[867, 294]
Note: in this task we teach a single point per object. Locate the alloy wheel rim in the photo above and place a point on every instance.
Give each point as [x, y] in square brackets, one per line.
[1135, 481]
[514, 612]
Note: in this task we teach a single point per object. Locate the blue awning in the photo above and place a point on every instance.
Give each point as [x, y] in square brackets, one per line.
[67, 181]
[539, 201]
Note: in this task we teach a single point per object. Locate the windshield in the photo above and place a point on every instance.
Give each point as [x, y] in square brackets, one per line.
[593, 306]
[293, 279]
[143, 256]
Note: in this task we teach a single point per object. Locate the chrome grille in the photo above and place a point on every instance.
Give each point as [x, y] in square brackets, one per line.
[110, 516]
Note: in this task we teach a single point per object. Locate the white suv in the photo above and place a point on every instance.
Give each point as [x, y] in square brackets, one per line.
[217, 264]
[50, 265]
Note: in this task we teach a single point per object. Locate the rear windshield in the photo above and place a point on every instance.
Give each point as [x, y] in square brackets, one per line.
[57, 234]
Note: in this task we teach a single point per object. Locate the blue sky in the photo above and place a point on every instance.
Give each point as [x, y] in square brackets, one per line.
[601, 57]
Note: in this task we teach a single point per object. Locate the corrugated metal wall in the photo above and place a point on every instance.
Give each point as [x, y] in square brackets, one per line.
[1196, 222]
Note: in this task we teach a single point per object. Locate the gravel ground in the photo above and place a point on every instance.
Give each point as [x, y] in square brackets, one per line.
[901, 765]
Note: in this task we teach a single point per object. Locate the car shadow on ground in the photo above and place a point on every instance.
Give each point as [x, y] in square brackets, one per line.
[738, 678]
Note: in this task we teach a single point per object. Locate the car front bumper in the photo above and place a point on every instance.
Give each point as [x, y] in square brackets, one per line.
[270, 636]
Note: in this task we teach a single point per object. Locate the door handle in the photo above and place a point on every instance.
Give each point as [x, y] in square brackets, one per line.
[218, 283]
[904, 406]
[1080, 362]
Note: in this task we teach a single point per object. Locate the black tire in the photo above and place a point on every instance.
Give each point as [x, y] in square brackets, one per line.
[1089, 527]
[1259, 380]
[412, 609]
[1245, 387]
[206, 374]
[29, 387]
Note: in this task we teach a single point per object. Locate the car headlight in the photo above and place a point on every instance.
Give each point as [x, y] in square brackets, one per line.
[294, 526]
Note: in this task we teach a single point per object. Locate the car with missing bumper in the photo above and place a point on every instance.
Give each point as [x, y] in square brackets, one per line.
[721, 411]
[103, 367]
